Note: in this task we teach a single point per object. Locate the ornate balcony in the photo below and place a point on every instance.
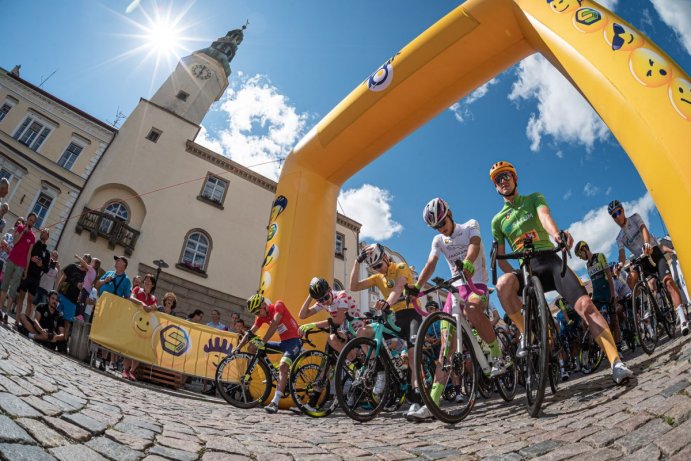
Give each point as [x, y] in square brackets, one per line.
[108, 226]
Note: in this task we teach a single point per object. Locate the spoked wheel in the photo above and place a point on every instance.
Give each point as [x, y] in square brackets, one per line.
[508, 382]
[554, 375]
[243, 380]
[668, 317]
[310, 384]
[357, 372]
[591, 354]
[537, 358]
[454, 372]
[484, 385]
[644, 318]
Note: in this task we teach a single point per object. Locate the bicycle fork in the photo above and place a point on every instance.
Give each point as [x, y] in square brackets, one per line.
[464, 325]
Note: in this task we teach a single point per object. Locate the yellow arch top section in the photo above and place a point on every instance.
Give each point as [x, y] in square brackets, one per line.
[634, 86]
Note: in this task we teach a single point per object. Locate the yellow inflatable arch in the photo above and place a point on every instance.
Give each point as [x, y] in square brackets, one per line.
[641, 94]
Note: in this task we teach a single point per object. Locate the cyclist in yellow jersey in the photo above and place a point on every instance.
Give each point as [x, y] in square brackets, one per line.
[390, 278]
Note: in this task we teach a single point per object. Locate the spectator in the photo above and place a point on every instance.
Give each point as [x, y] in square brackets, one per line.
[146, 299]
[69, 287]
[18, 260]
[4, 208]
[216, 321]
[116, 281]
[170, 302]
[38, 265]
[136, 281]
[48, 279]
[240, 327]
[90, 304]
[234, 317]
[47, 326]
[196, 316]
[91, 265]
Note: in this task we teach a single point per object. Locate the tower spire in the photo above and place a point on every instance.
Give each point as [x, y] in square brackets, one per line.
[223, 49]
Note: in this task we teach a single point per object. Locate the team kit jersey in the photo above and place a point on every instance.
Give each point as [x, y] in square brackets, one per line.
[387, 282]
[342, 300]
[456, 246]
[631, 237]
[597, 271]
[519, 220]
[287, 329]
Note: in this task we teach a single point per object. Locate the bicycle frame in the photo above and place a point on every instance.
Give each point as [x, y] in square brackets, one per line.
[464, 325]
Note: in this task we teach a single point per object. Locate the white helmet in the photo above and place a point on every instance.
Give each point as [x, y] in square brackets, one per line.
[375, 254]
[435, 212]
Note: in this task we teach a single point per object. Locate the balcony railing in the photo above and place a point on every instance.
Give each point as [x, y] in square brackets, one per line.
[108, 226]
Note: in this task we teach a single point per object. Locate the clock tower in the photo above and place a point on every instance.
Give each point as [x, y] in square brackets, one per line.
[199, 79]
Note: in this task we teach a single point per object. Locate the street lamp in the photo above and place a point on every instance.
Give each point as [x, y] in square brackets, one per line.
[160, 264]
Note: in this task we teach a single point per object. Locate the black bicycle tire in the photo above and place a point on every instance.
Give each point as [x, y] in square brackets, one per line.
[507, 393]
[540, 307]
[297, 369]
[667, 311]
[426, 397]
[222, 388]
[640, 290]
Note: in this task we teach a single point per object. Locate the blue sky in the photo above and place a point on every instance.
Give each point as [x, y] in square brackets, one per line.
[299, 59]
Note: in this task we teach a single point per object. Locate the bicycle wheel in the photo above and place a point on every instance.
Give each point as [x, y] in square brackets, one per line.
[508, 382]
[555, 351]
[357, 370]
[591, 354]
[243, 380]
[644, 320]
[537, 358]
[666, 309]
[310, 384]
[454, 371]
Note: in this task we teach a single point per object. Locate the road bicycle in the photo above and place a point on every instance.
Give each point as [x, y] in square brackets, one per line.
[536, 364]
[461, 360]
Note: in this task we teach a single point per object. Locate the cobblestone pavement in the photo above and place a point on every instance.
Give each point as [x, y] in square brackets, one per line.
[55, 408]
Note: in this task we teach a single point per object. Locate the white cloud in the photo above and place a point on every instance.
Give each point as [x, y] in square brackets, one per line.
[677, 15]
[567, 195]
[560, 154]
[563, 113]
[609, 190]
[460, 109]
[590, 191]
[371, 206]
[609, 4]
[262, 125]
[600, 231]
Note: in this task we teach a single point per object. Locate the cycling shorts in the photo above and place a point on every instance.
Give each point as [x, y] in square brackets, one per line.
[464, 292]
[290, 348]
[548, 269]
[404, 318]
[661, 269]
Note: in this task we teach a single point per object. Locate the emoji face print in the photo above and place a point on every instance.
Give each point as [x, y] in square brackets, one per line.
[271, 257]
[622, 38]
[265, 282]
[280, 204]
[680, 96]
[649, 68]
[562, 6]
[144, 323]
[273, 228]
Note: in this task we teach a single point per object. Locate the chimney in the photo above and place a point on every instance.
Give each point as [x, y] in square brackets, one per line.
[15, 70]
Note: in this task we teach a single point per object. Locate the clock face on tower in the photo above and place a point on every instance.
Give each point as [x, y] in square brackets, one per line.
[201, 71]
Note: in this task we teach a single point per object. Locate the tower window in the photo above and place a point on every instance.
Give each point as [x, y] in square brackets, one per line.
[182, 96]
[153, 135]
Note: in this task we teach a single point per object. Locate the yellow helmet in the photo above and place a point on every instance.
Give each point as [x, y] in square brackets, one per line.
[501, 167]
[254, 303]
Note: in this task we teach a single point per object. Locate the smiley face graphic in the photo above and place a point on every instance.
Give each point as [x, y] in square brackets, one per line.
[562, 6]
[622, 37]
[265, 282]
[280, 204]
[273, 229]
[271, 257]
[649, 68]
[680, 96]
[144, 323]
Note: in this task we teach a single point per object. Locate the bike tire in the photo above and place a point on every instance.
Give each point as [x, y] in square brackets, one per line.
[507, 384]
[449, 412]
[646, 328]
[669, 318]
[555, 350]
[591, 358]
[243, 380]
[537, 358]
[361, 373]
[309, 386]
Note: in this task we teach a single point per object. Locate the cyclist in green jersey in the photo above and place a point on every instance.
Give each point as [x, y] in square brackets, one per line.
[525, 216]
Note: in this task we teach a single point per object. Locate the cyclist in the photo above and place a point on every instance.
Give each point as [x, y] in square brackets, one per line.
[390, 278]
[604, 295]
[529, 216]
[339, 304]
[458, 241]
[568, 327]
[635, 236]
[624, 299]
[280, 321]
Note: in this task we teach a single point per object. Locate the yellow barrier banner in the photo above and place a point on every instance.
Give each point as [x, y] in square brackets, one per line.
[159, 339]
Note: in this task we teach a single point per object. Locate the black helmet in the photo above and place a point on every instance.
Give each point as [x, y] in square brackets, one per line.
[580, 245]
[319, 288]
[432, 303]
[613, 205]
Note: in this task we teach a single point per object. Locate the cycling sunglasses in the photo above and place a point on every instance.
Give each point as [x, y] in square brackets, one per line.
[324, 298]
[501, 177]
[441, 224]
[377, 266]
[616, 213]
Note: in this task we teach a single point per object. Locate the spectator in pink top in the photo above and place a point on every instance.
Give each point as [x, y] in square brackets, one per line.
[18, 259]
[91, 265]
[143, 296]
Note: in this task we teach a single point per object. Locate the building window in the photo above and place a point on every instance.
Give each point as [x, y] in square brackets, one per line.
[117, 210]
[340, 244]
[214, 189]
[195, 255]
[70, 155]
[41, 207]
[182, 96]
[4, 110]
[153, 135]
[32, 132]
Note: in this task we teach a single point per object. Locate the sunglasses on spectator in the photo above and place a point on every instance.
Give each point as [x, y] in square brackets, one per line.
[441, 224]
[616, 213]
[501, 177]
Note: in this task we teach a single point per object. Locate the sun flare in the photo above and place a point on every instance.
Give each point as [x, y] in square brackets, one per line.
[163, 37]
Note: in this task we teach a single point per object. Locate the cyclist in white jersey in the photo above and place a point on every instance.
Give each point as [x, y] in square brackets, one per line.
[635, 236]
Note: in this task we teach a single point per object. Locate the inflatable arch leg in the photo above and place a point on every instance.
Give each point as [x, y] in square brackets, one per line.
[640, 93]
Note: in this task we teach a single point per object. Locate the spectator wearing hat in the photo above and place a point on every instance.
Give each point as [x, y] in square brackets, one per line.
[116, 281]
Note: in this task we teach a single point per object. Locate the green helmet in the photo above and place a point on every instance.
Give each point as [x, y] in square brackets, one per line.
[580, 245]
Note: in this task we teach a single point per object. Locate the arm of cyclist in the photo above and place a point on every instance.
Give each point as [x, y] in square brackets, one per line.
[247, 337]
[397, 291]
[426, 273]
[503, 263]
[471, 256]
[307, 311]
[273, 326]
[647, 247]
[551, 227]
[323, 324]
[355, 284]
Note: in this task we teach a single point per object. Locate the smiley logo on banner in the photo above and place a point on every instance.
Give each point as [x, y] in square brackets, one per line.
[649, 68]
[273, 230]
[174, 340]
[382, 77]
[265, 282]
[622, 38]
[271, 257]
[280, 204]
[680, 96]
[144, 323]
[562, 6]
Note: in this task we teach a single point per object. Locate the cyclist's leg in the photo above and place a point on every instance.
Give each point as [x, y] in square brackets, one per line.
[665, 275]
[509, 287]
[291, 349]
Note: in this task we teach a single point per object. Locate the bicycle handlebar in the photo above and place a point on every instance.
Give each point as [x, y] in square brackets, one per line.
[306, 337]
[637, 261]
[529, 253]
